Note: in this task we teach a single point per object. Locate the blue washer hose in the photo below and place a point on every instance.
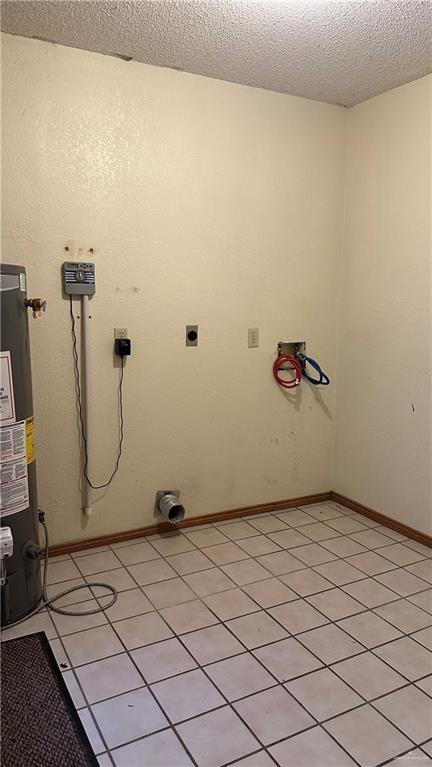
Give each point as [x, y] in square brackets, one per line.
[323, 379]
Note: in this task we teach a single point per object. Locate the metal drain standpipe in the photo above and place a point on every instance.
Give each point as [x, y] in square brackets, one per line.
[169, 506]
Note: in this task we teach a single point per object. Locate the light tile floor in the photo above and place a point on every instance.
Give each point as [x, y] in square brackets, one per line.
[301, 639]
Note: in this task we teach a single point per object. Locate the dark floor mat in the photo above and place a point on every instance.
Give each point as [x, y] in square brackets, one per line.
[39, 724]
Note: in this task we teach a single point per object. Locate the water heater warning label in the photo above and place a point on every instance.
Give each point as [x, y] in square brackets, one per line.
[30, 440]
[14, 492]
[7, 402]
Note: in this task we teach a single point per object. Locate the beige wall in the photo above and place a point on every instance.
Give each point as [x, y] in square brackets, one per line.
[205, 202]
[383, 423]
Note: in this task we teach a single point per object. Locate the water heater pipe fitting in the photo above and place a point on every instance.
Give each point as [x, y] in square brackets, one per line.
[168, 505]
[37, 305]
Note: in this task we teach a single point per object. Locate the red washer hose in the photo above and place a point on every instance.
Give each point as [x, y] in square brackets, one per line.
[277, 369]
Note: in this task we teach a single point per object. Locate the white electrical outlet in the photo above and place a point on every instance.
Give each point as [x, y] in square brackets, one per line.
[253, 338]
[120, 333]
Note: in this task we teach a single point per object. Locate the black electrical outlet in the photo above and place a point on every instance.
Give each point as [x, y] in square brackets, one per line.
[191, 335]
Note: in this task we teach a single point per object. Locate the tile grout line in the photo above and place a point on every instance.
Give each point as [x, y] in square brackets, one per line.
[247, 651]
[265, 611]
[280, 683]
[145, 686]
[228, 702]
[199, 667]
[409, 683]
[326, 617]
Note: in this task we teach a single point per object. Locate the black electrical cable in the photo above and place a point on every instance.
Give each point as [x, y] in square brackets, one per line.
[45, 601]
[78, 393]
[49, 602]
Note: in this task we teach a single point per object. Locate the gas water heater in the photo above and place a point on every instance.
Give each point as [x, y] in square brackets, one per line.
[21, 588]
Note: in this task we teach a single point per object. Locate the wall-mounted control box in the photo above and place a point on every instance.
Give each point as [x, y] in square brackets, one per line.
[78, 278]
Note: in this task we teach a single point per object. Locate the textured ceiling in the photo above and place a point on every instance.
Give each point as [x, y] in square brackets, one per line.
[342, 52]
